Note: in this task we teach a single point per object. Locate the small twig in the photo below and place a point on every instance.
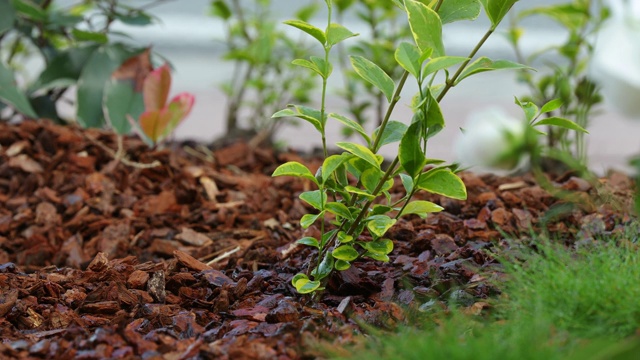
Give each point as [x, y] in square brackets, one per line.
[224, 256]
[120, 155]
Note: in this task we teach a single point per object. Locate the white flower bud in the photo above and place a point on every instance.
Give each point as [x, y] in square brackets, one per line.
[615, 63]
[492, 140]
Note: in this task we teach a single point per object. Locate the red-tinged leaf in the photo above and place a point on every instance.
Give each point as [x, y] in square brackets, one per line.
[154, 123]
[156, 88]
[179, 108]
[135, 69]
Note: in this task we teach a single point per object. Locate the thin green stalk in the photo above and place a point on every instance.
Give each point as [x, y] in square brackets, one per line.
[394, 100]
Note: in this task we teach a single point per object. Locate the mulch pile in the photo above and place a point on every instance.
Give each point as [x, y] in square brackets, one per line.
[193, 258]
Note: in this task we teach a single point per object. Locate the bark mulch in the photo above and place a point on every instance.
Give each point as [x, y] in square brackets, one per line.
[193, 258]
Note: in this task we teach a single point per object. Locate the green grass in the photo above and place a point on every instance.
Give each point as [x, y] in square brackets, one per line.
[557, 304]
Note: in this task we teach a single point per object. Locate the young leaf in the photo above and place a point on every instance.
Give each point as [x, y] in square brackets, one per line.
[407, 182]
[376, 256]
[315, 198]
[306, 286]
[298, 277]
[410, 152]
[497, 9]
[355, 190]
[456, 10]
[308, 219]
[303, 112]
[309, 29]
[561, 122]
[337, 33]
[426, 27]
[309, 241]
[352, 125]
[373, 74]
[442, 181]
[345, 252]
[551, 106]
[156, 88]
[370, 178]
[530, 109]
[344, 238]
[483, 64]
[379, 224]
[220, 9]
[324, 268]
[293, 168]
[361, 152]
[309, 65]
[330, 164]
[10, 94]
[421, 208]
[408, 56]
[179, 108]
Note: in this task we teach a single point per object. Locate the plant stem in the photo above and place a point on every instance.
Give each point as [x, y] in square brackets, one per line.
[394, 100]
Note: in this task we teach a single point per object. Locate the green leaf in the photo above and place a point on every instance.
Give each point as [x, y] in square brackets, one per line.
[393, 132]
[338, 209]
[370, 179]
[324, 268]
[317, 64]
[496, 10]
[342, 265]
[302, 112]
[294, 168]
[330, 164]
[421, 208]
[345, 253]
[337, 33]
[572, 16]
[308, 219]
[375, 256]
[530, 109]
[90, 36]
[12, 96]
[135, 18]
[410, 152]
[483, 64]
[309, 29]
[361, 152]
[352, 125]
[426, 27]
[382, 246]
[441, 63]
[220, 9]
[303, 285]
[551, 106]
[561, 122]
[298, 277]
[456, 10]
[309, 241]
[355, 190]
[65, 68]
[379, 224]
[29, 9]
[91, 83]
[120, 102]
[7, 16]
[344, 238]
[408, 56]
[407, 182]
[373, 74]
[442, 181]
[315, 198]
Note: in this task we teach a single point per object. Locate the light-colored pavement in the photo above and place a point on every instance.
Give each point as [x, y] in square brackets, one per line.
[187, 37]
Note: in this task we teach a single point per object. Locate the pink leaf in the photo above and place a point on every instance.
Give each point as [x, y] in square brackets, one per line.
[179, 108]
[154, 123]
[156, 88]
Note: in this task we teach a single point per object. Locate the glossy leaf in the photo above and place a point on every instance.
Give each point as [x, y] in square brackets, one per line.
[343, 237]
[370, 179]
[361, 152]
[561, 122]
[294, 168]
[65, 68]
[355, 190]
[330, 164]
[308, 114]
[426, 27]
[530, 109]
[324, 268]
[382, 246]
[120, 103]
[156, 88]
[456, 10]
[376, 256]
[442, 181]
[373, 74]
[407, 182]
[342, 265]
[421, 208]
[309, 29]
[303, 285]
[379, 224]
[551, 106]
[393, 132]
[317, 65]
[339, 209]
[309, 241]
[441, 63]
[11, 95]
[308, 219]
[345, 253]
[497, 9]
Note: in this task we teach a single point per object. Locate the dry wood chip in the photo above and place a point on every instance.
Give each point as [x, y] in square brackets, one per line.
[210, 188]
[99, 262]
[192, 237]
[155, 287]
[189, 261]
[26, 164]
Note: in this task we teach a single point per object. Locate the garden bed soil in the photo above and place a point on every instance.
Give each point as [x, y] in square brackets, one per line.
[193, 258]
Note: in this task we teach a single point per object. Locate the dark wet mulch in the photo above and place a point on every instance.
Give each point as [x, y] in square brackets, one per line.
[193, 258]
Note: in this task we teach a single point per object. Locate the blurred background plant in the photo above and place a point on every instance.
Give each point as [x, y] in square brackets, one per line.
[263, 79]
[84, 63]
[562, 74]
